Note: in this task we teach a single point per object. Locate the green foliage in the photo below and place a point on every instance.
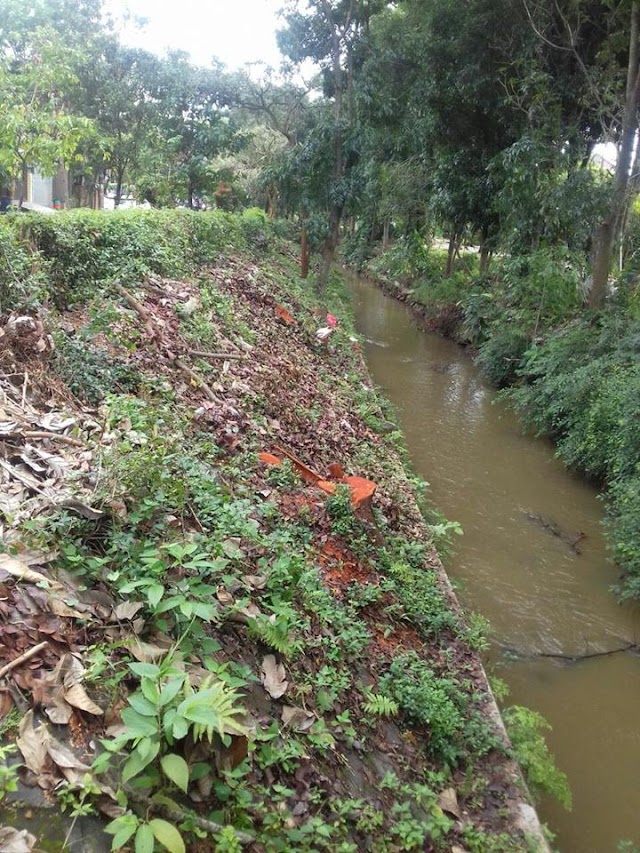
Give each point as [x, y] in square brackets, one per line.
[24, 277]
[379, 705]
[160, 715]
[89, 372]
[582, 387]
[428, 700]
[525, 729]
[37, 128]
[84, 249]
[421, 597]
[500, 356]
[71, 256]
[255, 227]
[8, 773]
[340, 511]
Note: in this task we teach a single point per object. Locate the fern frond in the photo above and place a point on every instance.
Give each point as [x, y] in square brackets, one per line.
[213, 708]
[380, 705]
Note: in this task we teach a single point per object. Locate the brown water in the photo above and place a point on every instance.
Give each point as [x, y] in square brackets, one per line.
[538, 594]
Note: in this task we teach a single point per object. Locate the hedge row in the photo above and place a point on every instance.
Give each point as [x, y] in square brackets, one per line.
[55, 258]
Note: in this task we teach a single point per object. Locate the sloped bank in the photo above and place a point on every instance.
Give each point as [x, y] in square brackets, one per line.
[214, 651]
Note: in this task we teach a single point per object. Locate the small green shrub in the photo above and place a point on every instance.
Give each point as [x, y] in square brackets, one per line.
[500, 356]
[23, 270]
[623, 522]
[91, 373]
[582, 387]
[525, 729]
[254, 223]
[428, 700]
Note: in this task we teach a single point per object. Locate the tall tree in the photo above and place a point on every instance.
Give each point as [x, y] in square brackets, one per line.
[37, 128]
[194, 125]
[328, 32]
[119, 90]
[609, 229]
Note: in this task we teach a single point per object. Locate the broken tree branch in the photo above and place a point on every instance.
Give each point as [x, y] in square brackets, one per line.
[197, 379]
[137, 306]
[144, 314]
[23, 658]
[217, 356]
[177, 815]
[587, 655]
[65, 439]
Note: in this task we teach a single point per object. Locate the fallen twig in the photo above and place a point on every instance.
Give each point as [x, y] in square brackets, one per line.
[144, 314]
[25, 656]
[65, 439]
[199, 381]
[26, 481]
[575, 658]
[226, 356]
[133, 303]
[587, 655]
[176, 815]
[24, 389]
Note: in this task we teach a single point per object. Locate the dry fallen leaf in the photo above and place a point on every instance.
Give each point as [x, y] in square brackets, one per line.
[144, 652]
[70, 670]
[21, 571]
[297, 718]
[6, 703]
[448, 802]
[16, 840]
[224, 597]
[58, 607]
[64, 757]
[36, 558]
[255, 581]
[59, 712]
[127, 610]
[77, 696]
[33, 743]
[274, 677]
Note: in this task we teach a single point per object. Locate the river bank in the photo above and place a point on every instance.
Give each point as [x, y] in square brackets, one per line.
[235, 630]
[539, 595]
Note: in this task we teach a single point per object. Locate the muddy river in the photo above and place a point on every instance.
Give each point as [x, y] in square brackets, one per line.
[532, 560]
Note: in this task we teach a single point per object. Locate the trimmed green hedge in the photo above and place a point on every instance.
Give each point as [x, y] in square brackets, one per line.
[57, 257]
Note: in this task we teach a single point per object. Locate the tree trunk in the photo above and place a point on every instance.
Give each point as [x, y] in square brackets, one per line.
[608, 230]
[23, 185]
[485, 252]
[485, 259]
[304, 251]
[117, 199]
[328, 252]
[385, 235]
[335, 211]
[634, 186]
[453, 242]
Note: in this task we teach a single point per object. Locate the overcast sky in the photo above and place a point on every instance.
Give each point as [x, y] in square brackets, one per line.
[235, 31]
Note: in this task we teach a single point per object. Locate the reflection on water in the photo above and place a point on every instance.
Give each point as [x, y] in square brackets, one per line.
[520, 510]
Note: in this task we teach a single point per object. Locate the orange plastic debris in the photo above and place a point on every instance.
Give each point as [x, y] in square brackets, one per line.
[307, 474]
[284, 315]
[269, 459]
[361, 489]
